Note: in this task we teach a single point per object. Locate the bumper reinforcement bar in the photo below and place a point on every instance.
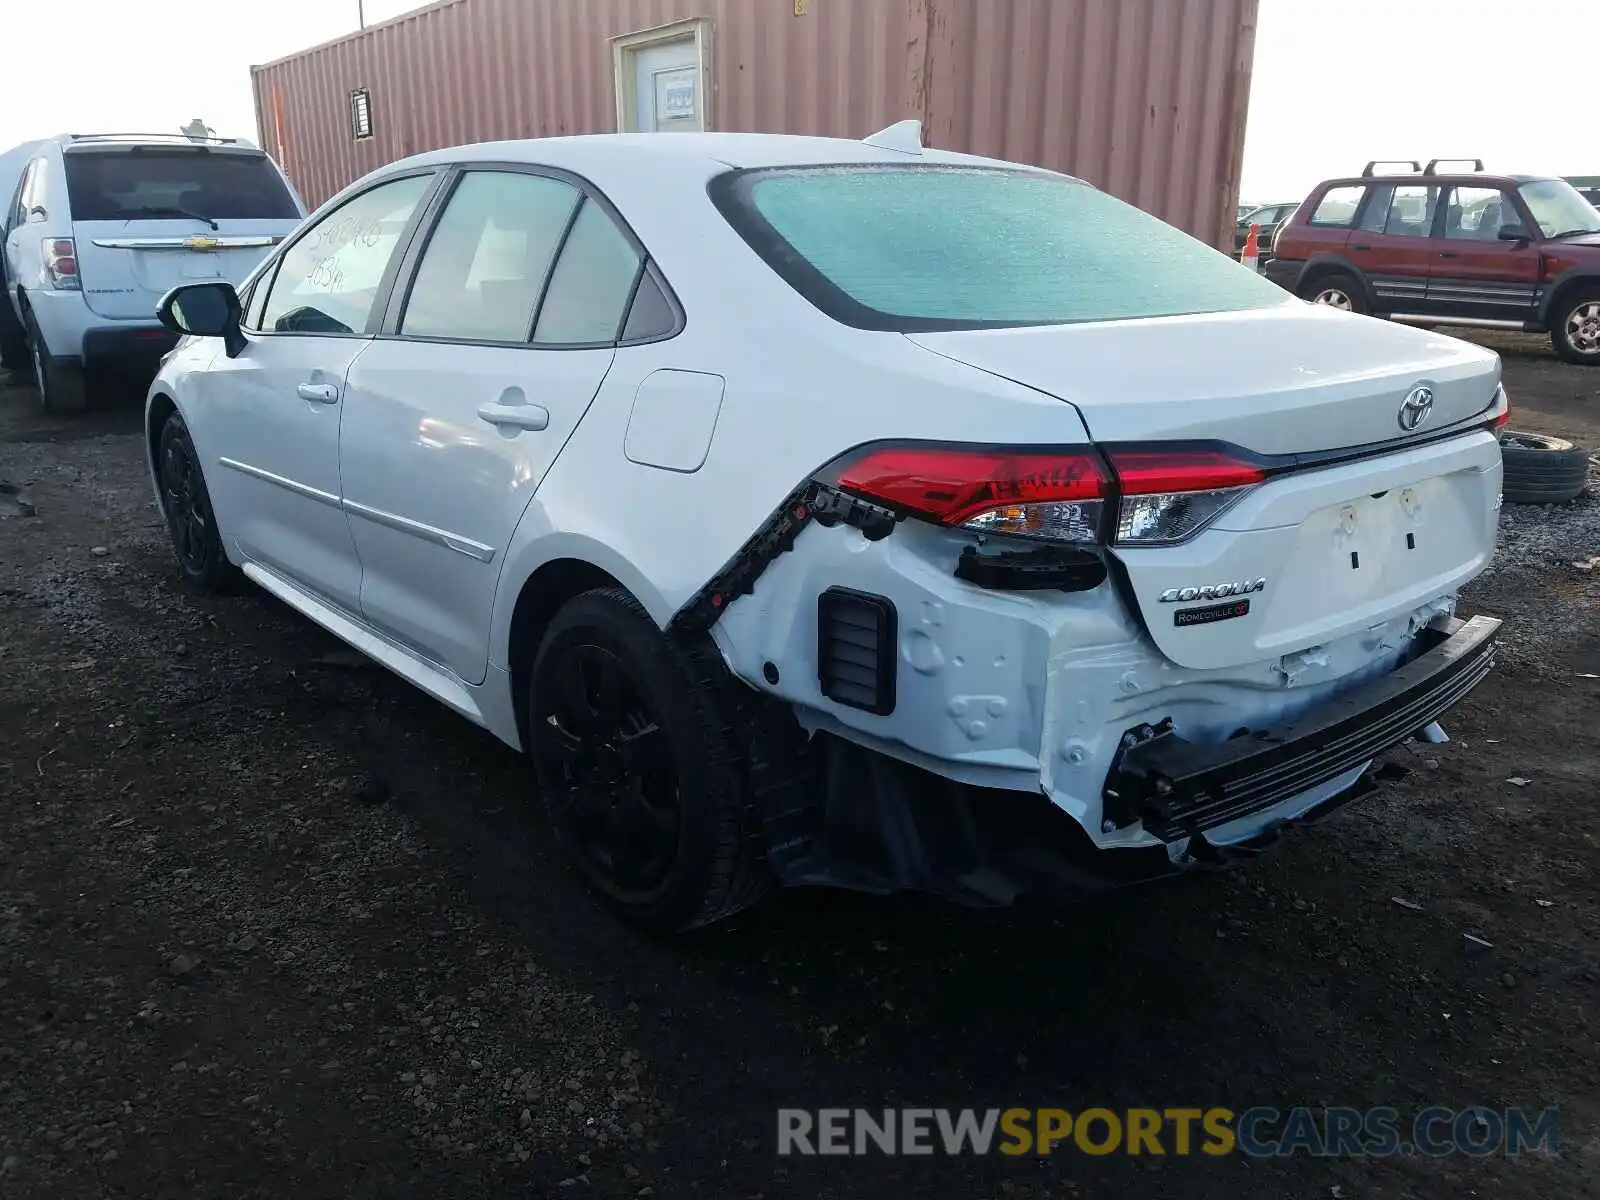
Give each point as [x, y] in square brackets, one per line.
[1179, 788]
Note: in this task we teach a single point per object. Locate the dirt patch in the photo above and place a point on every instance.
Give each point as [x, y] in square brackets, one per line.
[273, 923]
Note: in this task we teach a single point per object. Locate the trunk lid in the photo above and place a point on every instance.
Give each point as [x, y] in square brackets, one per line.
[147, 217]
[1294, 379]
[1311, 554]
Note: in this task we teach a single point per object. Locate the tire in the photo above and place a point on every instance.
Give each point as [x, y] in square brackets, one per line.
[1324, 289]
[1540, 469]
[191, 521]
[1575, 327]
[633, 738]
[60, 391]
[13, 338]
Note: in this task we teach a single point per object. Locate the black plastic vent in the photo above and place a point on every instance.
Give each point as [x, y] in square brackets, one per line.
[856, 635]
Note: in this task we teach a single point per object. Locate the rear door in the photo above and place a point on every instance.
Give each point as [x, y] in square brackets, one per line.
[454, 416]
[149, 217]
[1477, 276]
[15, 221]
[1392, 244]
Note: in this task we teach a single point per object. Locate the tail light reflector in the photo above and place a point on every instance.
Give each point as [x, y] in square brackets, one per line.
[1052, 494]
[1503, 417]
[1168, 496]
[61, 264]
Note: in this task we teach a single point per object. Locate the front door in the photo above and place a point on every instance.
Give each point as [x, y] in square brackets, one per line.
[667, 88]
[273, 411]
[1392, 244]
[456, 413]
[1475, 274]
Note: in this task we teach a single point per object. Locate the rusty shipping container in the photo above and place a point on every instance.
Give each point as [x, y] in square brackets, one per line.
[1145, 98]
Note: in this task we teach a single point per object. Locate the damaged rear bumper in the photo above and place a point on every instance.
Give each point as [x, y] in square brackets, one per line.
[862, 820]
[1177, 788]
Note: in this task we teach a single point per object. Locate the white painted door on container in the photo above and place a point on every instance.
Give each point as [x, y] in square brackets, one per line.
[666, 82]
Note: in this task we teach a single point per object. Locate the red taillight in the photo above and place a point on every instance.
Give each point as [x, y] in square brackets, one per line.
[1054, 494]
[61, 263]
[1145, 472]
[1169, 496]
[1164, 496]
[1504, 416]
[953, 486]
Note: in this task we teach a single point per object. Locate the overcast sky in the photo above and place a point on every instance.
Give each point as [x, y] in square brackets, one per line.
[1336, 81]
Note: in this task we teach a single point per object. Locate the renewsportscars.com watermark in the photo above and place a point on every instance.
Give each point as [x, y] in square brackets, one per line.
[1259, 1132]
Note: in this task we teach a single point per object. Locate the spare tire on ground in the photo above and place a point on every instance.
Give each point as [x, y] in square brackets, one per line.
[1540, 469]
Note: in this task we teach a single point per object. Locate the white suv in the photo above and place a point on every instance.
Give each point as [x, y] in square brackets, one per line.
[817, 511]
[101, 226]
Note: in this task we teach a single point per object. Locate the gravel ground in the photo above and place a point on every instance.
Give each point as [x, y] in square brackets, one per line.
[272, 923]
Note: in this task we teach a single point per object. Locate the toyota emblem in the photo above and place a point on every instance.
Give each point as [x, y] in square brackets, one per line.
[1414, 409]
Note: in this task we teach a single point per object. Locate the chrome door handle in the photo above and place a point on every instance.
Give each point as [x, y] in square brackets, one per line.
[515, 416]
[318, 393]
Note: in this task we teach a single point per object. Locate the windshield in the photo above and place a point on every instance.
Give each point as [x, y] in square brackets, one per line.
[167, 184]
[1558, 208]
[948, 247]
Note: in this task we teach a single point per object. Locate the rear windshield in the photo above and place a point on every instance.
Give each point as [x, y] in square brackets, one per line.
[948, 247]
[163, 184]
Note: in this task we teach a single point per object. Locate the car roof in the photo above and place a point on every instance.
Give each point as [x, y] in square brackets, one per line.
[697, 153]
[69, 141]
[1438, 177]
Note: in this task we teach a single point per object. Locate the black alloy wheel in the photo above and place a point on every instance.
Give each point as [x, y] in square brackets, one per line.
[190, 518]
[616, 800]
[641, 765]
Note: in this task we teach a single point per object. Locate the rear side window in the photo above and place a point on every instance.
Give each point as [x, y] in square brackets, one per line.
[161, 183]
[1337, 208]
[949, 247]
[592, 283]
[1409, 210]
[489, 256]
[22, 202]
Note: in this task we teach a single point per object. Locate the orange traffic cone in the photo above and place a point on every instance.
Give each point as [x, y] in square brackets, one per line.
[1250, 256]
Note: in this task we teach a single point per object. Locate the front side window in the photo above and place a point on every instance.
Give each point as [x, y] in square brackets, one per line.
[948, 247]
[167, 183]
[330, 277]
[1475, 214]
[486, 263]
[1558, 209]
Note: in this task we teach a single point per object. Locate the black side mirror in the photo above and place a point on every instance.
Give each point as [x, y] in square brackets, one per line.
[1513, 233]
[204, 310]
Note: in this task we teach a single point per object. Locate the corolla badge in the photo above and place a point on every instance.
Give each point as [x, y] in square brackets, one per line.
[1213, 591]
[1416, 407]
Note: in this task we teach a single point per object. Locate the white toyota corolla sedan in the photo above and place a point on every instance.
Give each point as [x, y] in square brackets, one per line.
[828, 512]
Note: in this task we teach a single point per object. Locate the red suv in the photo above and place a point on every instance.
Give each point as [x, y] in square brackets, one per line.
[1430, 247]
